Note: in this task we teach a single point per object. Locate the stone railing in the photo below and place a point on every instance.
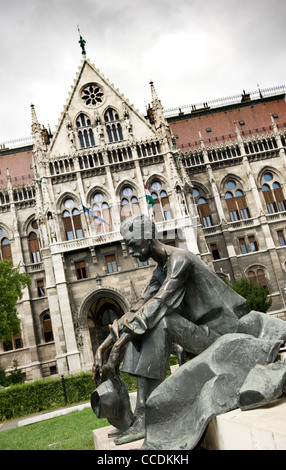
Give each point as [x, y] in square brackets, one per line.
[71, 245]
[111, 237]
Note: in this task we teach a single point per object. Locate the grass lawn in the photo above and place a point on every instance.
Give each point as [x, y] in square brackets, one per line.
[69, 432]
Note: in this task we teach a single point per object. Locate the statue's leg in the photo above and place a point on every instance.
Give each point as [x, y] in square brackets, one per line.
[193, 338]
[137, 430]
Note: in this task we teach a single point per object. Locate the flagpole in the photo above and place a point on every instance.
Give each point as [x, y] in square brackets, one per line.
[86, 222]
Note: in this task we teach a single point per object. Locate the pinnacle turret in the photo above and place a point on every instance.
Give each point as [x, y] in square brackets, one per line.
[35, 123]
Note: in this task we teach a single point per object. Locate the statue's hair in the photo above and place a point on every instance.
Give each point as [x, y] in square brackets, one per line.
[138, 227]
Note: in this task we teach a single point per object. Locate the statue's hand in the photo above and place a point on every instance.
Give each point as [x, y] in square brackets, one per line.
[112, 366]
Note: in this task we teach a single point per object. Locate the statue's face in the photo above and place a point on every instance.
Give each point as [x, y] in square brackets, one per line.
[140, 249]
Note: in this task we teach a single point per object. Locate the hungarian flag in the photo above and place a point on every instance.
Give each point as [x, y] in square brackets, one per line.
[149, 199]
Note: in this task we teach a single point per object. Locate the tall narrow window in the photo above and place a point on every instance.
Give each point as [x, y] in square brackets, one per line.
[101, 209]
[111, 264]
[236, 202]
[41, 288]
[68, 225]
[6, 249]
[253, 243]
[129, 203]
[34, 248]
[80, 269]
[47, 328]
[113, 125]
[243, 246]
[273, 194]
[72, 221]
[85, 132]
[161, 208]
[281, 237]
[214, 251]
[203, 208]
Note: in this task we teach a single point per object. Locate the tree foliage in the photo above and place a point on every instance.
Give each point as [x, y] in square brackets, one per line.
[256, 295]
[12, 283]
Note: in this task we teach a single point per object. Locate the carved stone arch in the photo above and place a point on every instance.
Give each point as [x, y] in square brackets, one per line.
[77, 116]
[95, 189]
[115, 108]
[202, 187]
[46, 310]
[269, 169]
[64, 196]
[97, 293]
[234, 177]
[156, 176]
[255, 267]
[107, 106]
[103, 303]
[123, 183]
[7, 232]
[27, 222]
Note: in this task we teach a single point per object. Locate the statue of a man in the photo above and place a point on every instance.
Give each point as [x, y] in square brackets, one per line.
[185, 303]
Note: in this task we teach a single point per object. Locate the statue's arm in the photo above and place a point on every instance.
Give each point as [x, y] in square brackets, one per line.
[166, 300]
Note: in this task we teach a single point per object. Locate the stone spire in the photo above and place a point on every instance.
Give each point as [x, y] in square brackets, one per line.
[39, 147]
[157, 108]
[35, 123]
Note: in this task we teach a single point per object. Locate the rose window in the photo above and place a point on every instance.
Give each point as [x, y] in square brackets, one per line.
[92, 95]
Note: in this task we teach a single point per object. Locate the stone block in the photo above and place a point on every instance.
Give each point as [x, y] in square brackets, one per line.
[258, 429]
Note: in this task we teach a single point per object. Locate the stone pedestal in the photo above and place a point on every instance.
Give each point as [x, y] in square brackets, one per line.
[258, 429]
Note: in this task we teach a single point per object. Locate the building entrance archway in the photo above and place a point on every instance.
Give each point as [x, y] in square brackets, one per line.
[101, 313]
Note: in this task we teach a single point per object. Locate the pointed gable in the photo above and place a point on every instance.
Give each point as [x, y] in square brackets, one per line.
[87, 112]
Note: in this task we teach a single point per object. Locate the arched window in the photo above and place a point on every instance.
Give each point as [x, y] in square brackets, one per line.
[6, 252]
[273, 194]
[203, 208]
[161, 208]
[113, 126]
[101, 209]
[72, 221]
[129, 203]
[34, 248]
[47, 328]
[236, 202]
[257, 276]
[85, 132]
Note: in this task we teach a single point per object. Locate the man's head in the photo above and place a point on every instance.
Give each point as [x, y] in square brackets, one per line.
[138, 232]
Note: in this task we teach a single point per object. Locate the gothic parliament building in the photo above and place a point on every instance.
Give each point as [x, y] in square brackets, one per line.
[216, 172]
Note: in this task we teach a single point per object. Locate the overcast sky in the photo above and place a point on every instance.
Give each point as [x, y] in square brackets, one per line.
[193, 50]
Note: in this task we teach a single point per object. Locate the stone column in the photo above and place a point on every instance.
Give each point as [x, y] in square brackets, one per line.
[215, 194]
[115, 205]
[72, 353]
[251, 180]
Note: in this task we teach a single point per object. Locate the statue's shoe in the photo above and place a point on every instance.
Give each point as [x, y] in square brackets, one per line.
[134, 433]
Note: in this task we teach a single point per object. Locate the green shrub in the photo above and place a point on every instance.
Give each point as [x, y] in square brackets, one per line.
[23, 399]
[15, 377]
[44, 394]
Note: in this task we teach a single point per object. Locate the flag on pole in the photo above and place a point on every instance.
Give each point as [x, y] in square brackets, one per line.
[85, 209]
[149, 199]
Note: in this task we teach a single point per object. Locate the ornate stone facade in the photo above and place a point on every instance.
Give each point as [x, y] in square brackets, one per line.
[101, 158]
[234, 154]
